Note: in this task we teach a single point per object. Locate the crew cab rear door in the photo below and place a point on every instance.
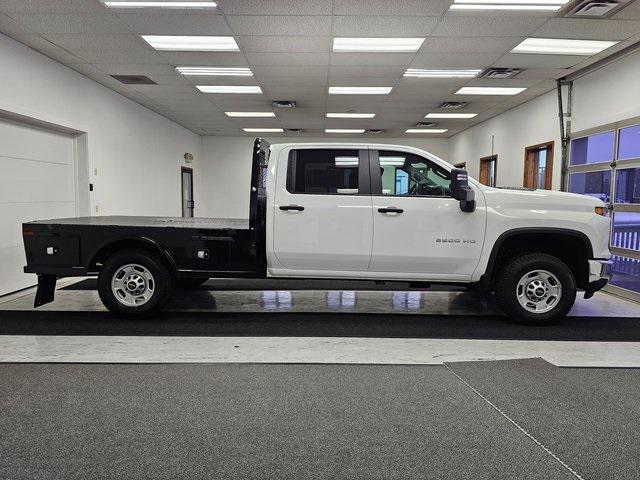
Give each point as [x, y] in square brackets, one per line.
[322, 210]
[419, 229]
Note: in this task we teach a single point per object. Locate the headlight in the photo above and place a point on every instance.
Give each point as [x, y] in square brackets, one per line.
[604, 211]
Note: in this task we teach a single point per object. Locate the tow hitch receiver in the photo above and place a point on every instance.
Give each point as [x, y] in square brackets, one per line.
[46, 290]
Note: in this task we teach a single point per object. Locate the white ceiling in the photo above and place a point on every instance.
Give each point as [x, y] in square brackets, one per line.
[287, 44]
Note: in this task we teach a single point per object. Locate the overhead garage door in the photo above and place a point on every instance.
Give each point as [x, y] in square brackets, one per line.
[36, 182]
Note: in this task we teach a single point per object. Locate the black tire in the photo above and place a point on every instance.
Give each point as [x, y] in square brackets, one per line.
[507, 288]
[190, 283]
[162, 283]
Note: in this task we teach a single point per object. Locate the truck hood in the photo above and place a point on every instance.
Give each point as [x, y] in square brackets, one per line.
[540, 199]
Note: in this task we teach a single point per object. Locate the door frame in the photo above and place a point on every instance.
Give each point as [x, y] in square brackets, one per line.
[488, 159]
[548, 176]
[182, 172]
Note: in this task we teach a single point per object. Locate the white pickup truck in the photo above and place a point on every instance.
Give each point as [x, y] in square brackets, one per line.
[351, 211]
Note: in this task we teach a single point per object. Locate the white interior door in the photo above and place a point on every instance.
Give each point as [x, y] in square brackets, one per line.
[37, 181]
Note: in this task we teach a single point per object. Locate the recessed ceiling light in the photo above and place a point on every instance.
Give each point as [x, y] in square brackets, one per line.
[351, 115]
[359, 90]
[441, 73]
[561, 46]
[544, 5]
[490, 90]
[359, 44]
[160, 4]
[216, 71]
[263, 130]
[250, 114]
[247, 89]
[426, 130]
[450, 115]
[344, 130]
[192, 43]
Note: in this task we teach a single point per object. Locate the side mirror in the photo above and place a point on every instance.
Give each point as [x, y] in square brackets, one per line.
[461, 191]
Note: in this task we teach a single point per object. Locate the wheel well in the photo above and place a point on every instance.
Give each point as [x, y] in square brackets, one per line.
[131, 244]
[572, 249]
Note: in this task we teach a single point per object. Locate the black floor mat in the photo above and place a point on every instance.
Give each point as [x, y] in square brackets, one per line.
[40, 322]
[246, 422]
[587, 417]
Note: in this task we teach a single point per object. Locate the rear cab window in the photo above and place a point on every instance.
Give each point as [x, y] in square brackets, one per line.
[326, 172]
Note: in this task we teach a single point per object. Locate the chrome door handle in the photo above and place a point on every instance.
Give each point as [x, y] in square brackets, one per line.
[390, 210]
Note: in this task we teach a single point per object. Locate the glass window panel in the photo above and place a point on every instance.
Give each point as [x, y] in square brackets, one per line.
[595, 184]
[629, 143]
[542, 168]
[407, 174]
[628, 185]
[323, 171]
[626, 230]
[592, 149]
[626, 273]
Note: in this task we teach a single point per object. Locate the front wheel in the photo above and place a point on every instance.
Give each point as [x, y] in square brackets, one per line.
[135, 284]
[536, 288]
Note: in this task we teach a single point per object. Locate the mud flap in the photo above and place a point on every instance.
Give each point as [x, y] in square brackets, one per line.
[46, 290]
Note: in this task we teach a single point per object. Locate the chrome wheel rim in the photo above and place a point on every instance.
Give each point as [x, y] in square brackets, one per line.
[539, 291]
[133, 285]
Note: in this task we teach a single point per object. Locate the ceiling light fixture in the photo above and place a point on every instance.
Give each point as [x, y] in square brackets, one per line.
[344, 130]
[250, 114]
[359, 44]
[540, 5]
[351, 115]
[263, 130]
[359, 90]
[246, 89]
[192, 43]
[442, 73]
[216, 71]
[561, 46]
[450, 115]
[490, 90]
[160, 4]
[426, 130]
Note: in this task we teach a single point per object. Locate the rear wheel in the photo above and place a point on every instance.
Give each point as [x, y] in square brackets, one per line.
[536, 288]
[135, 284]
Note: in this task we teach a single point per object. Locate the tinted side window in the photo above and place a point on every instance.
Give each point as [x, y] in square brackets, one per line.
[323, 171]
[407, 174]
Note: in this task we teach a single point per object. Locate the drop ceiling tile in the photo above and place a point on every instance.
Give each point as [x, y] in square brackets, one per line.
[85, 69]
[488, 26]
[61, 55]
[10, 27]
[543, 73]
[371, 59]
[507, 82]
[280, 25]
[220, 59]
[453, 60]
[52, 6]
[112, 56]
[134, 69]
[37, 42]
[396, 7]
[290, 80]
[166, 23]
[588, 29]
[363, 81]
[285, 44]
[91, 41]
[275, 7]
[173, 79]
[288, 59]
[216, 80]
[337, 71]
[72, 23]
[279, 71]
[383, 26]
[528, 60]
[469, 44]
[630, 12]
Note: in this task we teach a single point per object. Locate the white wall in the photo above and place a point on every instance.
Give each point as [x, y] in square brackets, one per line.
[137, 153]
[222, 185]
[529, 124]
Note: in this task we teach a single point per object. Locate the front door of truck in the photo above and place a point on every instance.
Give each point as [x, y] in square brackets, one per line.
[419, 229]
[323, 218]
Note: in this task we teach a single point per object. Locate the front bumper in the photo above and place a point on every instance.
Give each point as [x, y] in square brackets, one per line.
[599, 276]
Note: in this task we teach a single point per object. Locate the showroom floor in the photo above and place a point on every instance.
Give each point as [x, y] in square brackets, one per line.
[296, 384]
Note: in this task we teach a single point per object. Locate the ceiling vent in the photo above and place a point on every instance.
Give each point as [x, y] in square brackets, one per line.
[500, 73]
[283, 104]
[134, 79]
[375, 130]
[426, 124]
[594, 8]
[294, 130]
[453, 105]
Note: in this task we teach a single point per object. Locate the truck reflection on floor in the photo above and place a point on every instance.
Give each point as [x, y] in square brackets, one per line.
[282, 300]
